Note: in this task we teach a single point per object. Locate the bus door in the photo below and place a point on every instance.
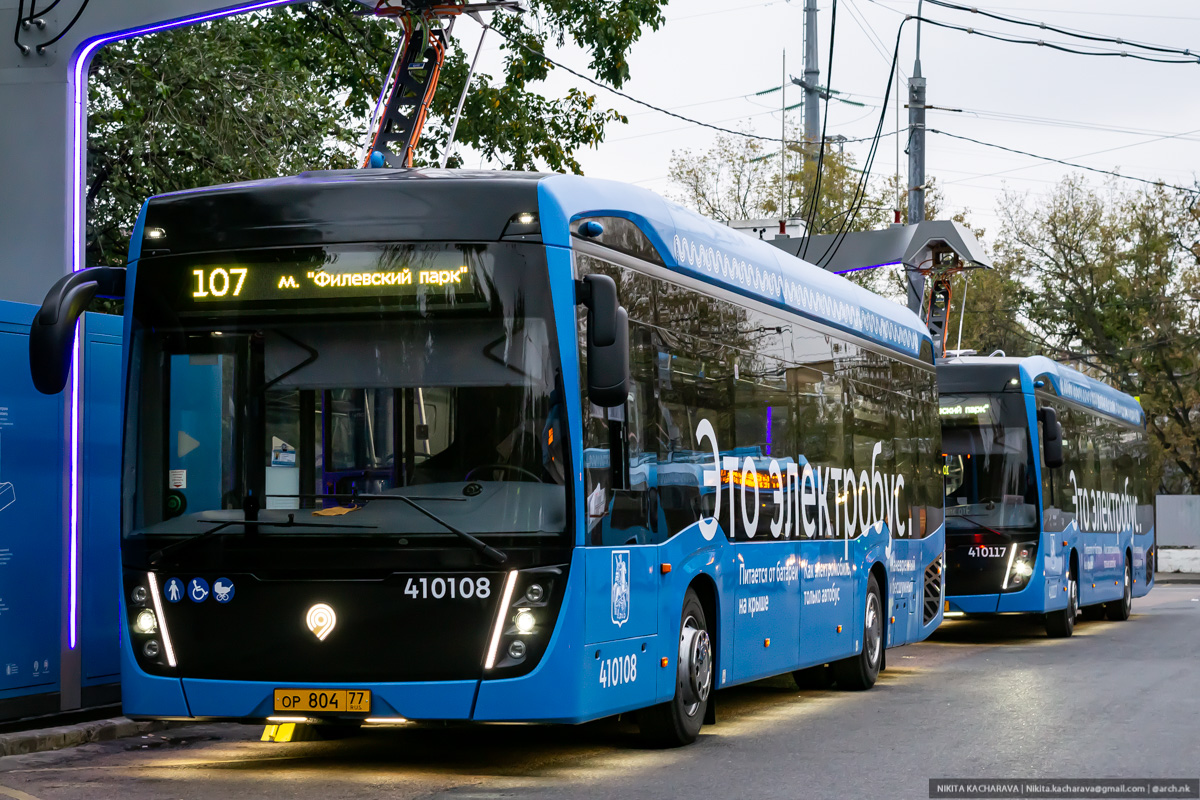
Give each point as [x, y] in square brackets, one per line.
[829, 603]
[621, 563]
[767, 566]
[194, 444]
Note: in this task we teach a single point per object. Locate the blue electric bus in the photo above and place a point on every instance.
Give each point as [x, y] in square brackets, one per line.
[442, 445]
[1049, 507]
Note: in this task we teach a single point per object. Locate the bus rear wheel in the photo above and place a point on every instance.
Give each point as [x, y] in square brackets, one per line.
[1119, 610]
[860, 672]
[1061, 624]
[677, 722]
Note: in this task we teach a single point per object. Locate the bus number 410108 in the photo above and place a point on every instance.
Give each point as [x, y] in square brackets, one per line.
[617, 671]
[452, 588]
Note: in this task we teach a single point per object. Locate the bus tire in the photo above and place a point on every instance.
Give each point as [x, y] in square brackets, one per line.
[818, 677]
[1061, 624]
[677, 722]
[1119, 610]
[860, 672]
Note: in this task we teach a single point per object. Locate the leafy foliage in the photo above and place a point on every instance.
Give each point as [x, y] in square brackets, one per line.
[739, 178]
[1109, 281]
[288, 90]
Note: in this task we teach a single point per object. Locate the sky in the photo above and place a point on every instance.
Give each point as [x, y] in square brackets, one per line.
[710, 59]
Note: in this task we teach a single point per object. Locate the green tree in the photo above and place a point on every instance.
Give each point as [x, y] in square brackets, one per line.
[291, 89]
[740, 177]
[1109, 280]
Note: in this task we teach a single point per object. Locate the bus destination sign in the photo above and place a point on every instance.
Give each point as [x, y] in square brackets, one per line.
[286, 281]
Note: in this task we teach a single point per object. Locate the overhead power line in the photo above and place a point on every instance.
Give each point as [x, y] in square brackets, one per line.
[629, 97]
[1077, 34]
[651, 106]
[1190, 59]
[860, 192]
[1064, 163]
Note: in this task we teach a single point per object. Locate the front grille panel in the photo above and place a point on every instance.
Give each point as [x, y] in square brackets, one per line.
[933, 590]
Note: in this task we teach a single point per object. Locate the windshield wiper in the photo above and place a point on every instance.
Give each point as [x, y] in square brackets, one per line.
[221, 526]
[496, 555]
[482, 547]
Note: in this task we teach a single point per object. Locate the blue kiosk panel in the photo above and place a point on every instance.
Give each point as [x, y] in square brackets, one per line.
[41, 669]
[101, 469]
[31, 503]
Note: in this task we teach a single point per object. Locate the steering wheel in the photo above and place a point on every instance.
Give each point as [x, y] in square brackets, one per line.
[513, 467]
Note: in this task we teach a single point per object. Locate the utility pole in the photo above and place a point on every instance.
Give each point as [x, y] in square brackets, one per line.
[812, 77]
[783, 187]
[916, 163]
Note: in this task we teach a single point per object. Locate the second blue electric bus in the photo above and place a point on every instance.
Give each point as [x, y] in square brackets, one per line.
[1049, 507]
[441, 445]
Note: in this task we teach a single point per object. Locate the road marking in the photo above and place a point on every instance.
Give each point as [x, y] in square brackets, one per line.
[16, 794]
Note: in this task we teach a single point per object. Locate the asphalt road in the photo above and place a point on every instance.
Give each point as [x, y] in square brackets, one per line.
[990, 699]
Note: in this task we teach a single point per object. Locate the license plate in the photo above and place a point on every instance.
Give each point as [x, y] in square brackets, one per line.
[344, 701]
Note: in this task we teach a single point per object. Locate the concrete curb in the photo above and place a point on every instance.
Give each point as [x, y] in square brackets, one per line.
[1176, 577]
[37, 741]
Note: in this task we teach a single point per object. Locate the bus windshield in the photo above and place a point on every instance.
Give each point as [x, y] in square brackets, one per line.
[990, 479]
[301, 390]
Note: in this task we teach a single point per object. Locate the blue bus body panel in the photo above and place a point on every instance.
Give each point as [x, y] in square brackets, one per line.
[1075, 386]
[145, 695]
[722, 256]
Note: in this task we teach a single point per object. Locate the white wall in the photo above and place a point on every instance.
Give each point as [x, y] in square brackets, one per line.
[1178, 521]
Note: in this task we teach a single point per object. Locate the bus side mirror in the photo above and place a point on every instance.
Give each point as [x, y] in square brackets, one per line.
[1052, 448]
[607, 341]
[52, 333]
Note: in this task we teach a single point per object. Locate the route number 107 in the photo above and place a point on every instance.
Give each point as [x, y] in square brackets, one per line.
[218, 281]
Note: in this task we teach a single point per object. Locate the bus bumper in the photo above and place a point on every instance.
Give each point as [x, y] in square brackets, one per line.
[972, 603]
[1026, 601]
[416, 700]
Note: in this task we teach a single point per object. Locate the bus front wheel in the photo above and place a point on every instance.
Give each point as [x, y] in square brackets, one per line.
[1119, 610]
[1061, 624]
[677, 722]
[861, 671]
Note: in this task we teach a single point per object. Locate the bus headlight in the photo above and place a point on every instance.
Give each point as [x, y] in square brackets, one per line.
[525, 621]
[145, 621]
[1021, 560]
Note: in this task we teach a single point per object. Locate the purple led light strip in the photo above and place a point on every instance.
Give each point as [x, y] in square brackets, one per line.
[78, 88]
[873, 266]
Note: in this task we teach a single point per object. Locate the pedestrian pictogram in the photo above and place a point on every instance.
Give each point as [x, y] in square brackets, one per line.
[174, 590]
